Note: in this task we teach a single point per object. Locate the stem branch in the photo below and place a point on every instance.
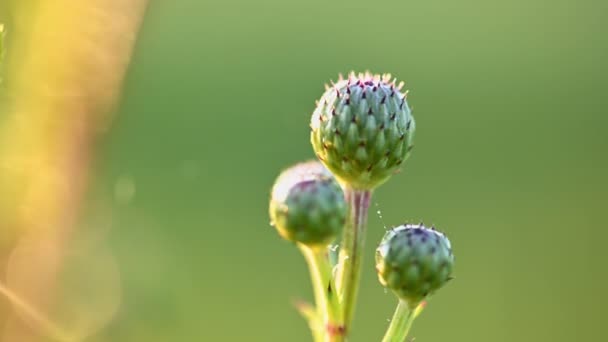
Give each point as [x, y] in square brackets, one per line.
[326, 299]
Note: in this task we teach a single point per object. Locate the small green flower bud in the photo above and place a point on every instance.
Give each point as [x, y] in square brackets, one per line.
[307, 205]
[363, 129]
[414, 262]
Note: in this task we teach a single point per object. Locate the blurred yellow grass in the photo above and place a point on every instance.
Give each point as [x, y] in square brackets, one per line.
[68, 59]
[66, 64]
[44, 322]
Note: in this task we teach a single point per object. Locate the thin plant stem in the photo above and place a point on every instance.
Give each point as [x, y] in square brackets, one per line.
[326, 299]
[351, 252]
[31, 312]
[401, 322]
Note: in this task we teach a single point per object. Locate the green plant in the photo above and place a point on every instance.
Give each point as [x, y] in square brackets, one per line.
[362, 132]
[414, 262]
[307, 205]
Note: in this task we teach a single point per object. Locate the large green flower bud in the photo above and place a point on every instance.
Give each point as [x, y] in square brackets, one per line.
[307, 205]
[414, 262]
[362, 130]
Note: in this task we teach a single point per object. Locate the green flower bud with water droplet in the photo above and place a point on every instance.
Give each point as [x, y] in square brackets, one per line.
[363, 129]
[414, 262]
[307, 205]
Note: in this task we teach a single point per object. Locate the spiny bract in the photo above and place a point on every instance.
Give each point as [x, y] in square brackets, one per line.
[307, 205]
[362, 129]
[414, 262]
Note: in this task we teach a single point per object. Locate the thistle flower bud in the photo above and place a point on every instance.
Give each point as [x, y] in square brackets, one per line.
[414, 262]
[362, 129]
[307, 205]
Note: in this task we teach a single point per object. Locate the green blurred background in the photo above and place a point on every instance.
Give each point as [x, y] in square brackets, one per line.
[510, 161]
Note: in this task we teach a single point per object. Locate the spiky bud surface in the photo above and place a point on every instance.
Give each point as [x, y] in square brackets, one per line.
[414, 262]
[363, 129]
[307, 205]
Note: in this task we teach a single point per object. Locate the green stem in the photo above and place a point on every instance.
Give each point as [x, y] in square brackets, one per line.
[401, 323]
[351, 253]
[326, 299]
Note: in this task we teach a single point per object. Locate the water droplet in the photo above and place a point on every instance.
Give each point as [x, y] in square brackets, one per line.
[379, 212]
